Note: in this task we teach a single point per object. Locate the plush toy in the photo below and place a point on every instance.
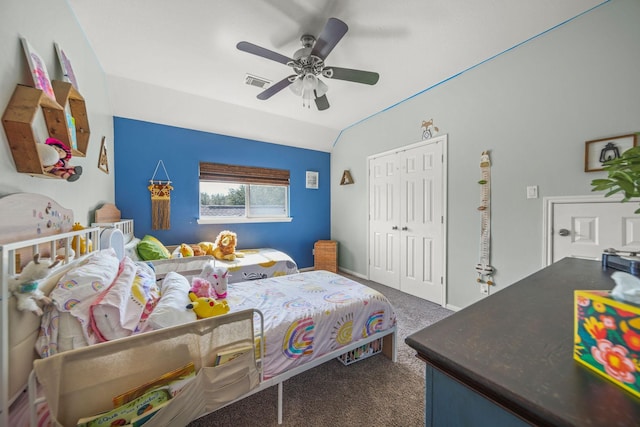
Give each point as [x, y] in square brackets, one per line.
[218, 277]
[202, 288]
[212, 282]
[207, 247]
[25, 286]
[225, 246]
[207, 307]
[55, 157]
[185, 250]
[83, 241]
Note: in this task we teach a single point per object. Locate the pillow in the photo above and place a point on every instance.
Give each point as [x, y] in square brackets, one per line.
[171, 309]
[151, 248]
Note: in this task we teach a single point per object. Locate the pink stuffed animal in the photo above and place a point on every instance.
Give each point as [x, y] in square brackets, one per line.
[202, 288]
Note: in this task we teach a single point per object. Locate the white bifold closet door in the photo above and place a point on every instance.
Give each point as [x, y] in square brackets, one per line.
[406, 219]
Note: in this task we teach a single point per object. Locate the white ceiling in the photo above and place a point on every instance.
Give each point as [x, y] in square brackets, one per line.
[189, 48]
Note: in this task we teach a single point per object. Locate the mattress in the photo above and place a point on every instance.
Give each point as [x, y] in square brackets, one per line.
[310, 314]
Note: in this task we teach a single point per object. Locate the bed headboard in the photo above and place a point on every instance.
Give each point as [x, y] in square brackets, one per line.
[28, 215]
[109, 216]
[108, 213]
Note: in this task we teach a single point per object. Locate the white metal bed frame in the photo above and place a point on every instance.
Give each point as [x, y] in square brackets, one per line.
[8, 269]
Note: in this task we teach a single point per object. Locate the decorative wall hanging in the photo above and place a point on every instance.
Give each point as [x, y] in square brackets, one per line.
[103, 160]
[483, 268]
[65, 64]
[38, 70]
[160, 200]
[598, 151]
[429, 130]
[346, 178]
[312, 180]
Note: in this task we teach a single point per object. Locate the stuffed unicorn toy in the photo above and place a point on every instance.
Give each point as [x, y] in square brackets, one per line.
[212, 282]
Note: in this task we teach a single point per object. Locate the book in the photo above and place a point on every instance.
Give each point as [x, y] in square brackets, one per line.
[147, 415]
[123, 415]
[230, 354]
[183, 372]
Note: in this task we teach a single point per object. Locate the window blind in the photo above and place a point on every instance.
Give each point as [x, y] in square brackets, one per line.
[243, 174]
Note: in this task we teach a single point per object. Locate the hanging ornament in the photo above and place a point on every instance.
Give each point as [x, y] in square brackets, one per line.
[160, 200]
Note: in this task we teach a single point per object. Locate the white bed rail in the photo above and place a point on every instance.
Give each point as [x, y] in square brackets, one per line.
[16, 254]
[124, 225]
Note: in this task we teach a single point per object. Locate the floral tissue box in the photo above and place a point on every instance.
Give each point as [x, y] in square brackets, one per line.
[607, 338]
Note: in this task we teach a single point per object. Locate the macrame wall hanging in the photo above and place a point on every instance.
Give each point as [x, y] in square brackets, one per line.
[160, 200]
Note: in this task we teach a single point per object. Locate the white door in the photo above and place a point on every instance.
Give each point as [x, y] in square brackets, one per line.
[406, 226]
[586, 229]
[384, 220]
[421, 230]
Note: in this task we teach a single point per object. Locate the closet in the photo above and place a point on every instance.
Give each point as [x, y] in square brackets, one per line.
[407, 219]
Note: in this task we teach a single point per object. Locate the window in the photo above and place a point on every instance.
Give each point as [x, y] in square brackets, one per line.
[230, 193]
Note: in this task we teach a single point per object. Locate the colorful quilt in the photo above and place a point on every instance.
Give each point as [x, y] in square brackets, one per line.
[309, 314]
[259, 264]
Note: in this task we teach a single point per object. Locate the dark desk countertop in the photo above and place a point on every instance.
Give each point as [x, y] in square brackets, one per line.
[516, 348]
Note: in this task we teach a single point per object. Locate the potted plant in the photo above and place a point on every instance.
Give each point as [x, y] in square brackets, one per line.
[623, 176]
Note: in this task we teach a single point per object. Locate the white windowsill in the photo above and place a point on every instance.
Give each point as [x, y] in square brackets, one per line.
[241, 220]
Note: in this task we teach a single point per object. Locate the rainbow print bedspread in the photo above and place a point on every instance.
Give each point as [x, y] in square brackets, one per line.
[259, 264]
[309, 314]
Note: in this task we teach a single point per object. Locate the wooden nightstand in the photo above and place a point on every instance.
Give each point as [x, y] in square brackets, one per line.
[325, 255]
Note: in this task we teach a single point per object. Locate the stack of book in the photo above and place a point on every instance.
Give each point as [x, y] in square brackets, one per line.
[136, 406]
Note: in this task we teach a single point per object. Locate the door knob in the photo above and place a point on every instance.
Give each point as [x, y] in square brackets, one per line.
[405, 228]
[395, 227]
[564, 232]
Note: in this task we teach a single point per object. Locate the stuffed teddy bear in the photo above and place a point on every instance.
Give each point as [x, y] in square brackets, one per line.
[225, 246]
[207, 307]
[25, 287]
[55, 156]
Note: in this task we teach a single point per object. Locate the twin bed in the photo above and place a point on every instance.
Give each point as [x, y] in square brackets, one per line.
[290, 323]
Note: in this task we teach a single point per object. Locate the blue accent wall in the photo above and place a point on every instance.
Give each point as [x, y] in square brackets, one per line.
[138, 146]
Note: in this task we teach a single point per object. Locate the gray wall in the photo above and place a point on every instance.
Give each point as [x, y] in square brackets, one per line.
[42, 23]
[533, 107]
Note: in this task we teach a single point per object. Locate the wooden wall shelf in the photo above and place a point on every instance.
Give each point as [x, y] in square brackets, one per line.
[18, 122]
[19, 117]
[67, 95]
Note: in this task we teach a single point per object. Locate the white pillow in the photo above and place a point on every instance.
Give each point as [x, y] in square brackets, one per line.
[172, 310]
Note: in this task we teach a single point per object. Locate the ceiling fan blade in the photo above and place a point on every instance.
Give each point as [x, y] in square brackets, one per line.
[348, 74]
[275, 88]
[265, 53]
[322, 102]
[331, 34]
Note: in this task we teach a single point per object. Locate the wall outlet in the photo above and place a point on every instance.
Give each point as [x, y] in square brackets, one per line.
[484, 289]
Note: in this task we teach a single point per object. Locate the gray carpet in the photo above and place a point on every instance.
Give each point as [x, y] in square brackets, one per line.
[373, 391]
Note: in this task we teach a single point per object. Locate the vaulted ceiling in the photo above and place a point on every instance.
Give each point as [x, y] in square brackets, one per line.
[176, 62]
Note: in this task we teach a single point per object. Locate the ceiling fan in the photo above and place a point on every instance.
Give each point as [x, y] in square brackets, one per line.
[308, 65]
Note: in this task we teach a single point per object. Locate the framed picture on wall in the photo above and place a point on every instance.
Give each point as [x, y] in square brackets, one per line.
[312, 180]
[598, 151]
[38, 69]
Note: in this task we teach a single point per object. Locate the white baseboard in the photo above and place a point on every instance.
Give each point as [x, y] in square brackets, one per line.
[353, 273]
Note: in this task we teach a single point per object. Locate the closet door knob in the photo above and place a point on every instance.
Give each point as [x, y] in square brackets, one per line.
[405, 228]
[564, 232]
[395, 227]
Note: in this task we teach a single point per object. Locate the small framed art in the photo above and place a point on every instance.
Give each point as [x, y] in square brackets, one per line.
[598, 151]
[312, 180]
